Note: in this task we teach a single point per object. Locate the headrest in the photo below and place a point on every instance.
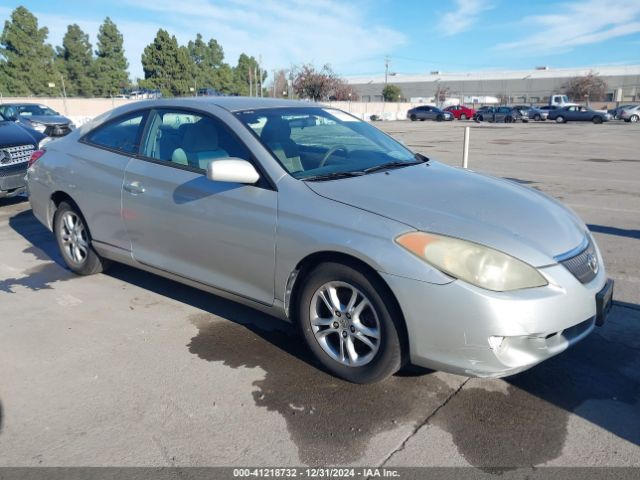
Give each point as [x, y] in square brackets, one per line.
[200, 136]
[276, 130]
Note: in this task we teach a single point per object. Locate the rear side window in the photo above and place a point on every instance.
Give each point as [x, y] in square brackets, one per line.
[122, 134]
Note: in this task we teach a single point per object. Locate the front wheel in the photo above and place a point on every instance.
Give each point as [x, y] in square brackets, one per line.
[559, 119]
[537, 117]
[633, 118]
[74, 242]
[463, 116]
[480, 118]
[597, 120]
[350, 323]
[439, 118]
[412, 118]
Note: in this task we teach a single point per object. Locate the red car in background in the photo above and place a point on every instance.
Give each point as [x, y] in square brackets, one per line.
[460, 112]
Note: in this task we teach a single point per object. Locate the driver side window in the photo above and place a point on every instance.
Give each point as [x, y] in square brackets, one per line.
[190, 139]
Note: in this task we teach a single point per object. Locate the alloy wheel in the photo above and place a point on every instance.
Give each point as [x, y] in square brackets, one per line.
[74, 237]
[345, 323]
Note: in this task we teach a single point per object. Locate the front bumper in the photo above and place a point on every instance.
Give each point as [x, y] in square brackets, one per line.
[12, 180]
[450, 326]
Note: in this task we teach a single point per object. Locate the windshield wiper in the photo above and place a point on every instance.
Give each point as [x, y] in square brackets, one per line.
[390, 165]
[333, 176]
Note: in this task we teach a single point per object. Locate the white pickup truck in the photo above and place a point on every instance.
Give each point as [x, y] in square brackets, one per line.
[560, 101]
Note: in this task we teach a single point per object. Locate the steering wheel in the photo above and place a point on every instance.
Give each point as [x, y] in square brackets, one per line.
[332, 151]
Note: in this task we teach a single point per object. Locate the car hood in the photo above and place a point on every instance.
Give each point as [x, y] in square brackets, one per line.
[12, 134]
[436, 198]
[47, 119]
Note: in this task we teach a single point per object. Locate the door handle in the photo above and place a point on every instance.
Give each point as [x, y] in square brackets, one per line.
[134, 188]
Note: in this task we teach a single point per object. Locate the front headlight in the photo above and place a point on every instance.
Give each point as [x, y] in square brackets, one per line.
[476, 264]
[40, 127]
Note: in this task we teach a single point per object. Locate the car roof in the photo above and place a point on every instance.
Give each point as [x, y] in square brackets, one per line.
[233, 104]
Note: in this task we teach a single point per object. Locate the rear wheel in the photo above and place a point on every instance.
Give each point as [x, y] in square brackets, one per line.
[74, 241]
[559, 119]
[439, 118]
[413, 117]
[463, 116]
[480, 118]
[633, 118]
[596, 120]
[537, 117]
[349, 321]
[508, 120]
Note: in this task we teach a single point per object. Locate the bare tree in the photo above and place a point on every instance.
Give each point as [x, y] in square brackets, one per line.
[280, 85]
[320, 84]
[441, 94]
[590, 86]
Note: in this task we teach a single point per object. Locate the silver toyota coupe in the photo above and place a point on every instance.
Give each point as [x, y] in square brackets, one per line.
[381, 256]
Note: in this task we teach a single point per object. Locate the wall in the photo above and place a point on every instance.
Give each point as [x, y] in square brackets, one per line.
[82, 109]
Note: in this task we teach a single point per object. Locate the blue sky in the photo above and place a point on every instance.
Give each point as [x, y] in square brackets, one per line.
[355, 36]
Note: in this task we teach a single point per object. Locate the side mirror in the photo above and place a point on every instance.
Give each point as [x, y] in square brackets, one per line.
[234, 170]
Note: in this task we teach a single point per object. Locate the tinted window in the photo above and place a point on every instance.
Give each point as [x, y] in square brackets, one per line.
[122, 134]
[190, 139]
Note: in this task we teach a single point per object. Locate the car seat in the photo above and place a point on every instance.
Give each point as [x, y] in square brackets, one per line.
[199, 145]
[276, 134]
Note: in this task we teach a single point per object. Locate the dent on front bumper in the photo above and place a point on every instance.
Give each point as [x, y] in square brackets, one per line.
[449, 326]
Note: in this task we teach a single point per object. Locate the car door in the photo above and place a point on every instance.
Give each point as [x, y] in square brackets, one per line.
[216, 233]
[99, 161]
[571, 113]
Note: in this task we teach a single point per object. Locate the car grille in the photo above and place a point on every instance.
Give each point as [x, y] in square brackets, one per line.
[584, 266]
[15, 155]
[57, 130]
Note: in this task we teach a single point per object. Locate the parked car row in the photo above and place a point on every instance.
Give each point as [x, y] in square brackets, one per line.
[525, 113]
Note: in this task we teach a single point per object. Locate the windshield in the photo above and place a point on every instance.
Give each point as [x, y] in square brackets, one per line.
[35, 110]
[312, 142]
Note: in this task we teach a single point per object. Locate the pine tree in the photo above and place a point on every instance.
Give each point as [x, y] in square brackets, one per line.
[167, 65]
[75, 60]
[110, 66]
[27, 62]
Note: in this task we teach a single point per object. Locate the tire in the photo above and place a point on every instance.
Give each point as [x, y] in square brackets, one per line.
[463, 116]
[422, 119]
[597, 120]
[537, 117]
[74, 241]
[560, 119]
[372, 360]
[439, 118]
[480, 118]
[633, 118]
[413, 117]
[508, 119]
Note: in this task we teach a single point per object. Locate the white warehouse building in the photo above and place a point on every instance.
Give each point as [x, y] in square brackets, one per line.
[522, 86]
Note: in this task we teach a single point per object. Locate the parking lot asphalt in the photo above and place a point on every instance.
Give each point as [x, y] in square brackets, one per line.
[126, 368]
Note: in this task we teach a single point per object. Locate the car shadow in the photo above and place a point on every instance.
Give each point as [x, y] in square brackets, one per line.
[620, 232]
[333, 422]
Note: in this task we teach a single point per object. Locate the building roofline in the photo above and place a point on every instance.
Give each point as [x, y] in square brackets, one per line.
[603, 70]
